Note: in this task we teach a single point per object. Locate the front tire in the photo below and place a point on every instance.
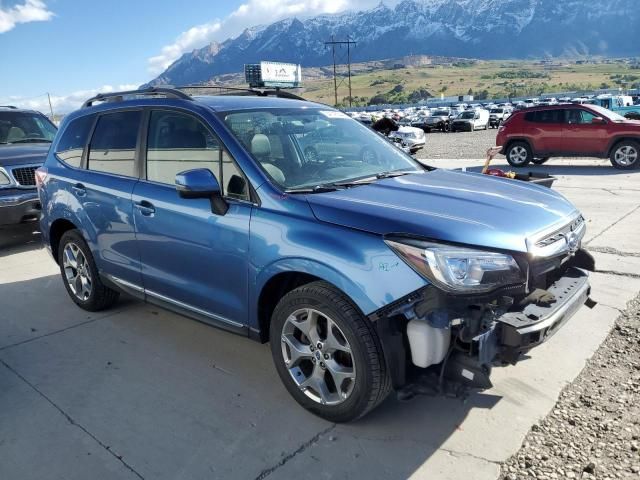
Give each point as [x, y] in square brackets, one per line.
[625, 155]
[519, 154]
[80, 274]
[327, 353]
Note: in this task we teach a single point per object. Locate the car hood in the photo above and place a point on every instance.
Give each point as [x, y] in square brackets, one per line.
[23, 154]
[450, 206]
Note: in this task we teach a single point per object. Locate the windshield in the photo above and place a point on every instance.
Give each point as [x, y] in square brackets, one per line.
[441, 113]
[25, 127]
[496, 110]
[467, 115]
[305, 148]
[613, 116]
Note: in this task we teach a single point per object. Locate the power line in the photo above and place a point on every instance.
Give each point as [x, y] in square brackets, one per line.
[348, 42]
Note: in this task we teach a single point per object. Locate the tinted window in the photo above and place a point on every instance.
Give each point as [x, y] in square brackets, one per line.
[177, 142]
[545, 116]
[113, 145]
[74, 138]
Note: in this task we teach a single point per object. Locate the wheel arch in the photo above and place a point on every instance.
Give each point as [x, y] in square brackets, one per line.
[617, 140]
[513, 140]
[57, 229]
[280, 278]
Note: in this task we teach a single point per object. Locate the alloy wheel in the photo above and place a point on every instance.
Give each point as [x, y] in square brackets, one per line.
[318, 356]
[76, 271]
[626, 155]
[518, 155]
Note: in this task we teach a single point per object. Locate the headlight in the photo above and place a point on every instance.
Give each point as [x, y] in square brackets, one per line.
[4, 178]
[459, 269]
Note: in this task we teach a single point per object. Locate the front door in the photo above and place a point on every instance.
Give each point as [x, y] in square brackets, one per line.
[582, 136]
[191, 257]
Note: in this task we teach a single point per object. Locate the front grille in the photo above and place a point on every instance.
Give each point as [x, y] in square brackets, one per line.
[25, 176]
[558, 235]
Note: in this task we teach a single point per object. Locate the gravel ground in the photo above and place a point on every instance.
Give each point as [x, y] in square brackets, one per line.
[593, 432]
[458, 144]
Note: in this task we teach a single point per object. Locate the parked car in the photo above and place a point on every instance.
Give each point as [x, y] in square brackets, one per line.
[439, 119]
[536, 134]
[25, 136]
[352, 269]
[471, 120]
[412, 137]
[498, 115]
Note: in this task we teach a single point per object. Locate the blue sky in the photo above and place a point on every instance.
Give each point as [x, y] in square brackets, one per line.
[74, 48]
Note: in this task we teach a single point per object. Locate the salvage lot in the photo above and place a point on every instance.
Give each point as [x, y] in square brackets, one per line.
[137, 392]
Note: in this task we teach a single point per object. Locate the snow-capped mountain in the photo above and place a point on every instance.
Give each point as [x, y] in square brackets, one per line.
[457, 28]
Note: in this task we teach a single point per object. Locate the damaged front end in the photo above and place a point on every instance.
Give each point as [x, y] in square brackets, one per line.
[511, 304]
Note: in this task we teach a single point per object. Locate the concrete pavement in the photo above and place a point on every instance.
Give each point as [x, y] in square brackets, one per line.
[137, 392]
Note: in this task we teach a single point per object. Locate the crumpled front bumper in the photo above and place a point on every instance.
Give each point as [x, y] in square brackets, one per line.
[19, 207]
[522, 330]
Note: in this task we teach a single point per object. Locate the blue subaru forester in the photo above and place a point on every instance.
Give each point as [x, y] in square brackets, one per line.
[286, 221]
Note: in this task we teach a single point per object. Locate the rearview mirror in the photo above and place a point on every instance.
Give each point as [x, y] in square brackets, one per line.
[598, 120]
[201, 183]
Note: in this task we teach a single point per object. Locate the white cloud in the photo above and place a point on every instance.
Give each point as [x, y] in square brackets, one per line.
[29, 11]
[64, 103]
[249, 14]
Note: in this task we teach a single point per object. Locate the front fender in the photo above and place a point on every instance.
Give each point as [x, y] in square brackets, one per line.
[360, 264]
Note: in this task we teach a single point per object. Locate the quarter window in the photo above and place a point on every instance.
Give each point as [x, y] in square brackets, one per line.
[177, 142]
[74, 138]
[113, 145]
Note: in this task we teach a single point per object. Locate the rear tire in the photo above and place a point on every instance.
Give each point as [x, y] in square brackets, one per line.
[302, 318]
[80, 274]
[625, 155]
[519, 154]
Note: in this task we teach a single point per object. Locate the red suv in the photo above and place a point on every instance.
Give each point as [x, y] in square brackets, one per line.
[536, 134]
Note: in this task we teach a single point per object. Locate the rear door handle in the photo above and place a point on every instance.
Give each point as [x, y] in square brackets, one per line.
[146, 208]
[79, 189]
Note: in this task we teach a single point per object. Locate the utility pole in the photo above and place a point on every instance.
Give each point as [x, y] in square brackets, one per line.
[348, 42]
[50, 107]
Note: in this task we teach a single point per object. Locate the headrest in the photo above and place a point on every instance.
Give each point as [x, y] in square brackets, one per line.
[260, 145]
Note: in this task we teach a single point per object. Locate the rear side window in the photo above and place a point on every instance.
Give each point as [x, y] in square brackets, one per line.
[73, 140]
[113, 145]
[545, 116]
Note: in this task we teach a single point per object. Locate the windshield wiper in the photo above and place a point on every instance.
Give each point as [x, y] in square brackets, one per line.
[32, 140]
[391, 174]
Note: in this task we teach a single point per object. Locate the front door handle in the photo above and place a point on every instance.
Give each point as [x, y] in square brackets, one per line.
[146, 208]
[79, 189]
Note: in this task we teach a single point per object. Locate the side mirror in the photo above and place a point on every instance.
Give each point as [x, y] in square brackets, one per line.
[598, 121]
[201, 183]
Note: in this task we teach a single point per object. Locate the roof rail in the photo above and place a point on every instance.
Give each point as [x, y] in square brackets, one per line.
[223, 90]
[12, 107]
[150, 91]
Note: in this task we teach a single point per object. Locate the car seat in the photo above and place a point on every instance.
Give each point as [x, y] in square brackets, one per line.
[261, 150]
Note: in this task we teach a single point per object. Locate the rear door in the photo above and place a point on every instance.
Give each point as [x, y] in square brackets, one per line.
[582, 136]
[191, 257]
[104, 192]
[545, 129]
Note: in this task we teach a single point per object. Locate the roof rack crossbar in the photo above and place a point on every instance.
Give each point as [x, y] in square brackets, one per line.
[247, 91]
[12, 107]
[151, 91]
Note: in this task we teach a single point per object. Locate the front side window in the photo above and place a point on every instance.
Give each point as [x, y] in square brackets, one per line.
[71, 145]
[113, 145]
[581, 117]
[25, 127]
[177, 142]
[306, 147]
